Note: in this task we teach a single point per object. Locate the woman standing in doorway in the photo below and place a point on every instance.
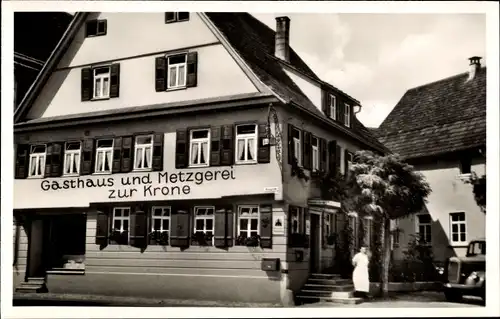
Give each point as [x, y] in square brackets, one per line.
[360, 276]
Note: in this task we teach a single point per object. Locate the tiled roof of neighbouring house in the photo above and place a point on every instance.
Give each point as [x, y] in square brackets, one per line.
[440, 117]
[256, 47]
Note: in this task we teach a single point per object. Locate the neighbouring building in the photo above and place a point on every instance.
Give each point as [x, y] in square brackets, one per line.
[154, 157]
[440, 128]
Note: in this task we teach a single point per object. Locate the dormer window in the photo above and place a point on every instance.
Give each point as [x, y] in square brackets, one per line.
[347, 115]
[333, 107]
[171, 17]
[94, 28]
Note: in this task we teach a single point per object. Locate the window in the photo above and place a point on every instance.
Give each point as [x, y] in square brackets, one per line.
[333, 107]
[246, 143]
[295, 218]
[204, 225]
[37, 160]
[347, 115]
[297, 145]
[120, 230]
[176, 17]
[96, 28]
[199, 151]
[160, 223]
[104, 156]
[465, 164]
[248, 221]
[72, 158]
[102, 78]
[143, 157]
[315, 153]
[177, 68]
[458, 229]
[424, 229]
[349, 162]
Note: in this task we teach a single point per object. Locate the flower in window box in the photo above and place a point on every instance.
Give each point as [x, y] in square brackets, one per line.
[201, 239]
[158, 237]
[252, 241]
[119, 236]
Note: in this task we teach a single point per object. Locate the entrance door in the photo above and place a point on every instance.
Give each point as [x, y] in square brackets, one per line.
[315, 244]
[37, 247]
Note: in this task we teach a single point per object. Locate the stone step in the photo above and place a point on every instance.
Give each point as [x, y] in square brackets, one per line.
[325, 276]
[326, 293]
[31, 289]
[36, 281]
[310, 298]
[329, 282]
[321, 287]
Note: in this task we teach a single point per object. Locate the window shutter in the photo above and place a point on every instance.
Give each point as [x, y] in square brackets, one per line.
[22, 161]
[306, 217]
[325, 102]
[227, 145]
[87, 84]
[325, 235]
[102, 225]
[290, 144]
[323, 153]
[48, 160]
[332, 166]
[181, 149]
[138, 227]
[117, 155]
[229, 226]
[180, 229]
[266, 226]
[346, 162]
[127, 153]
[57, 157]
[114, 88]
[215, 147]
[192, 69]
[264, 152]
[169, 17]
[86, 167]
[158, 151]
[338, 158]
[220, 231]
[306, 150]
[160, 74]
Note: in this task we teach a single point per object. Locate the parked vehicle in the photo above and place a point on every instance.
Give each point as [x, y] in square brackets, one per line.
[466, 275]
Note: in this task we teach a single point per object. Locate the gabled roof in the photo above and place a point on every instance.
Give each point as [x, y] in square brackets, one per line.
[440, 117]
[256, 48]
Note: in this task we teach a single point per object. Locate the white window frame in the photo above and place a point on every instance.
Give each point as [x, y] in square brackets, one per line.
[104, 150]
[143, 147]
[333, 107]
[161, 219]
[199, 141]
[37, 159]
[121, 219]
[69, 155]
[245, 138]
[104, 94]
[458, 223]
[296, 215]
[315, 154]
[176, 18]
[417, 228]
[176, 66]
[249, 218]
[205, 218]
[297, 146]
[347, 115]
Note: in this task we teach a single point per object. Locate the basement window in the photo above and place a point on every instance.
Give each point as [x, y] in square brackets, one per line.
[95, 28]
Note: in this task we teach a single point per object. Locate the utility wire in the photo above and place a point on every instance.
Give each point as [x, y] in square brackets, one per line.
[26, 66]
[29, 57]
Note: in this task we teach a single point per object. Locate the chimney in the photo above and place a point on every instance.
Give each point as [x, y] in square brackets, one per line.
[474, 66]
[282, 40]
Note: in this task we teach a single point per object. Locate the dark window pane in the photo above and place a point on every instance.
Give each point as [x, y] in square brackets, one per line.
[246, 129]
[181, 58]
[91, 28]
[199, 224]
[157, 224]
[166, 225]
[170, 16]
[454, 228]
[200, 134]
[253, 224]
[125, 225]
[462, 237]
[454, 237]
[462, 228]
[183, 16]
[243, 223]
[210, 223]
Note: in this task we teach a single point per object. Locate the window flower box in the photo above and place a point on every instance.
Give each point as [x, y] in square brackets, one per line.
[158, 238]
[252, 241]
[118, 237]
[202, 239]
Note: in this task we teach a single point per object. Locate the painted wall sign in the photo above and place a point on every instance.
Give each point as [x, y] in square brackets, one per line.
[308, 227]
[148, 185]
[278, 225]
[271, 189]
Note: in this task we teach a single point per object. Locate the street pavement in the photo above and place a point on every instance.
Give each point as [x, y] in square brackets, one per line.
[403, 300]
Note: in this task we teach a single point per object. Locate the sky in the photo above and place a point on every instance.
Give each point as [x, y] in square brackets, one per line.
[376, 58]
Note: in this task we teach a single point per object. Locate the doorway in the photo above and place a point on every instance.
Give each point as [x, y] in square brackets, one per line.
[315, 244]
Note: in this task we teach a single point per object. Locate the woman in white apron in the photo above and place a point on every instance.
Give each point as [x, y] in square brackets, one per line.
[360, 276]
